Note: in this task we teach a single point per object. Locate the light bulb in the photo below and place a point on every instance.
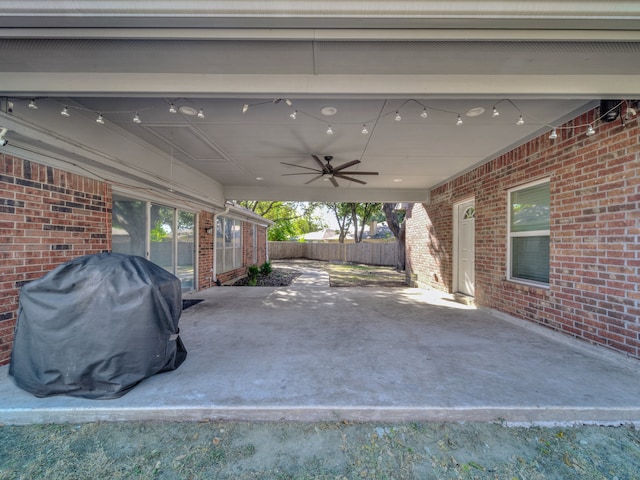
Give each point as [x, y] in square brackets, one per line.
[293, 114]
[495, 112]
[459, 121]
[553, 135]
[329, 130]
[398, 117]
[520, 121]
[364, 130]
[32, 104]
[288, 102]
[424, 113]
[136, 118]
[590, 131]
[201, 113]
[172, 108]
[65, 112]
[245, 107]
[100, 119]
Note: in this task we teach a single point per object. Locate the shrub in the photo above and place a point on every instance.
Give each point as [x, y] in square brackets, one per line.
[252, 273]
[265, 268]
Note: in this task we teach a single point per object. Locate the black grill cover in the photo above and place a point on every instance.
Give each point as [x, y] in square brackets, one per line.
[96, 326]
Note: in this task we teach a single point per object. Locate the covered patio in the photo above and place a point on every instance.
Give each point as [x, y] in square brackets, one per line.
[309, 352]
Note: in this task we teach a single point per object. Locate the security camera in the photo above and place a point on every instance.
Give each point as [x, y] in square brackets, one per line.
[3, 142]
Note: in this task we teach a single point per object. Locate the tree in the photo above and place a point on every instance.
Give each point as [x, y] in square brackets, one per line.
[353, 215]
[395, 221]
[291, 218]
[363, 212]
[342, 212]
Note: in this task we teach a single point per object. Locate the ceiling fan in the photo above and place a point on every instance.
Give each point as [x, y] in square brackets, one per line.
[331, 172]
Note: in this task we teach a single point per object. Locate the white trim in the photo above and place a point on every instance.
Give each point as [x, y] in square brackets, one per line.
[533, 233]
[455, 264]
[327, 34]
[147, 240]
[196, 257]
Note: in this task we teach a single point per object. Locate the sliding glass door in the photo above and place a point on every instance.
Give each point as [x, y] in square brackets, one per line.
[162, 234]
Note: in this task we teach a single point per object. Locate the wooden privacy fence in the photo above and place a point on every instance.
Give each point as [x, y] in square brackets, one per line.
[366, 253]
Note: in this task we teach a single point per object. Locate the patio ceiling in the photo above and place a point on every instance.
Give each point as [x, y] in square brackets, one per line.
[367, 60]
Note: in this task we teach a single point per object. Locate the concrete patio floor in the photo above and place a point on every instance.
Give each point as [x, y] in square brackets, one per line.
[313, 353]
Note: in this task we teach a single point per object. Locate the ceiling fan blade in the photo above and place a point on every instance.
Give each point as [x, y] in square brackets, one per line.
[314, 179]
[346, 165]
[351, 179]
[359, 173]
[300, 166]
[334, 181]
[303, 173]
[320, 163]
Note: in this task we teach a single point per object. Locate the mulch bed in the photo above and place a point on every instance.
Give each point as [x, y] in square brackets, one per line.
[277, 278]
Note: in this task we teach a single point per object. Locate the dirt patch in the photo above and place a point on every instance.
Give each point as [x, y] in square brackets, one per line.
[356, 275]
[236, 450]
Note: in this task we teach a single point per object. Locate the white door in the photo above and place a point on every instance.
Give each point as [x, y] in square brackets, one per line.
[465, 251]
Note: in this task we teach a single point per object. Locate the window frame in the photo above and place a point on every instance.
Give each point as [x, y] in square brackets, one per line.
[231, 247]
[532, 233]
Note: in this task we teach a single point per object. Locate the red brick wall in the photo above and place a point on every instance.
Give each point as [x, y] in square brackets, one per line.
[47, 217]
[247, 244]
[262, 244]
[205, 249]
[594, 280]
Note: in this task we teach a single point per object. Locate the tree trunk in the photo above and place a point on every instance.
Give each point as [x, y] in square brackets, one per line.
[354, 221]
[398, 231]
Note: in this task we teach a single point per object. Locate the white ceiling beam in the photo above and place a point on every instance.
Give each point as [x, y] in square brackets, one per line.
[354, 86]
[328, 34]
[324, 8]
[326, 194]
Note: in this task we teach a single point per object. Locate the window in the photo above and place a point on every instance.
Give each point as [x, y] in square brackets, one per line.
[129, 226]
[163, 235]
[228, 244]
[529, 232]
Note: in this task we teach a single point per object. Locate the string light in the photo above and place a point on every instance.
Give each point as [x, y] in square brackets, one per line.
[66, 112]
